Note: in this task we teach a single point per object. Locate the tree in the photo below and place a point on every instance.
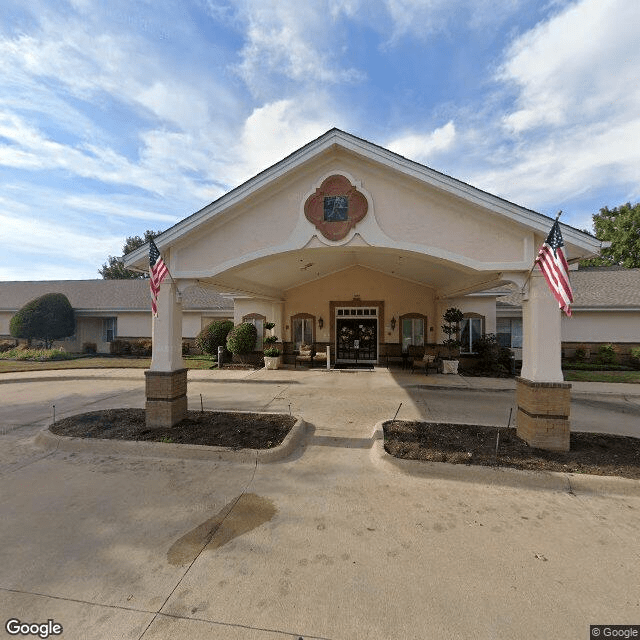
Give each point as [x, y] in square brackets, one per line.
[453, 317]
[48, 318]
[114, 269]
[620, 226]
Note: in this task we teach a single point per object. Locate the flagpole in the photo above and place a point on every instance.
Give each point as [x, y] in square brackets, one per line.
[535, 262]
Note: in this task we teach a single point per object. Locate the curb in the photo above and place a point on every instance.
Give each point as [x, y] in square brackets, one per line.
[138, 448]
[501, 476]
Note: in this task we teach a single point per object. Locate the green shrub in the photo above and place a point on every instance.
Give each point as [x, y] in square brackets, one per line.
[141, 348]
[7, 345]
[214, 335]
[588, 366]
[635, 357]
[242, 339]
[120, 347]
[272, 352]
[48, 318]
[580, 354]
[492, 359]
[40, 355]
[606, 354]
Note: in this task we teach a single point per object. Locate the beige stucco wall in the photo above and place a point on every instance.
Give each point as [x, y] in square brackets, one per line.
[400, 297]
[401, 209]
[598, 326]
[134, 325]
[408, 210]
[272, 311]
[5, 319]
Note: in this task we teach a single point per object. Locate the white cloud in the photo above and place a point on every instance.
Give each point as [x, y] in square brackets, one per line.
[422, 147]
[573, 128]
[111, 207]
[275, 130]
[577, 65]
[296, 40]
[53, 239]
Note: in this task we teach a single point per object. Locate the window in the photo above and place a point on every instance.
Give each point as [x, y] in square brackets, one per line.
[509, 332]
[109, 331]
[412, 332]
[302, 330]
[258, 321]
[470, 331]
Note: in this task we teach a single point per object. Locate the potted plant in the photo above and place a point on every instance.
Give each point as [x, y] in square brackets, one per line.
[271, 352]
[452, 317]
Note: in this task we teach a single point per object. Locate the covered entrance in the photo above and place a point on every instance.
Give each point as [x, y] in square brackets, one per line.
[356, 335]
[363, 251]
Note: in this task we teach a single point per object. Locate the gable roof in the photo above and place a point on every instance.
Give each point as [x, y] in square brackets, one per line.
[597, 288]
[336, 138]
[104, 295]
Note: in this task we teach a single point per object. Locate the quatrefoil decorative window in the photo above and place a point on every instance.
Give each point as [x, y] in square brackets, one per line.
[336, 207]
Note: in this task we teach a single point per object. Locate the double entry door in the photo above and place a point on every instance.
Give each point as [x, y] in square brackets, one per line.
[356, 339]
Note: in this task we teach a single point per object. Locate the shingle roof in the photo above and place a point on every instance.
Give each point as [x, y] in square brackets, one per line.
[104, 295]
[598, 287]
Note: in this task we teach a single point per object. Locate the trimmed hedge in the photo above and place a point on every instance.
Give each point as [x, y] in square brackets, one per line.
[242, 339]
[214, 335]
[48, 318]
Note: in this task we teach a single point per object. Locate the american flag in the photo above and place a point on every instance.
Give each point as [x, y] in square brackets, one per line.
[555, 269]
[157, 273]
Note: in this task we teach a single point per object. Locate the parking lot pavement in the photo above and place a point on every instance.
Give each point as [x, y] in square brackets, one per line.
[329, 543]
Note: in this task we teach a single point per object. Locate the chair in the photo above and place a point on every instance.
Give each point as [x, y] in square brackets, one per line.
[308, 354]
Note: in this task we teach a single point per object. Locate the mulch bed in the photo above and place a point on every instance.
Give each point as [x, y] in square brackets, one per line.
[590, 453]
[213, 428]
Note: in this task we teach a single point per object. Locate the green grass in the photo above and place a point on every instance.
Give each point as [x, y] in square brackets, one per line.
[95, 362]
[602, 376]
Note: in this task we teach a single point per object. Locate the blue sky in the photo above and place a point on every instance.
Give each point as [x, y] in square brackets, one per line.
[120, 116]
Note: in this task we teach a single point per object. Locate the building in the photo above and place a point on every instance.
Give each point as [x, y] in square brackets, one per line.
[352, 247]
[107, 310]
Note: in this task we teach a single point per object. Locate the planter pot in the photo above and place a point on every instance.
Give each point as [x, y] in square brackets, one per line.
[271, 362]
[450, 366]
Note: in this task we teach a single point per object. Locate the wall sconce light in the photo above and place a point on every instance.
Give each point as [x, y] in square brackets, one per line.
[320, 322]
[393, 323]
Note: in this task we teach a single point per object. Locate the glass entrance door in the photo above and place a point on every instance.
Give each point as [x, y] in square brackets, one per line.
[357, 339]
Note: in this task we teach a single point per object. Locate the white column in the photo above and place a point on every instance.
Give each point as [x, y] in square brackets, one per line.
[167, 331]
[542, 341]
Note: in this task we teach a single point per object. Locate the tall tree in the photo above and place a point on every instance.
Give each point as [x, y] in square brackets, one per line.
[621, 227]
[114, 269]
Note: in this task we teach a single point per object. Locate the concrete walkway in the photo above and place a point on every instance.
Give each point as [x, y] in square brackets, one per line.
[333, 542]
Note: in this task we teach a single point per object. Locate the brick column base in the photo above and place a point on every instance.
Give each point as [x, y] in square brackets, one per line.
[166, 397]
[543, 413]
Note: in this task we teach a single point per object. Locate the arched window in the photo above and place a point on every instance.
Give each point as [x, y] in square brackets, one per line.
[471, 328]
[258, 320]
[303, 329]
[412, 329]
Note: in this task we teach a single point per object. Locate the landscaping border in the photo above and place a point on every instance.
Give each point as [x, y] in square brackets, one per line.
[501, 476]
[146, 449]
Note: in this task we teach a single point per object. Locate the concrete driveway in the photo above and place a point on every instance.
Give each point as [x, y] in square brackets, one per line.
[333, 542]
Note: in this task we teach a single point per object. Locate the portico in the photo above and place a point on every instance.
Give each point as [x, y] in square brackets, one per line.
[344, 240]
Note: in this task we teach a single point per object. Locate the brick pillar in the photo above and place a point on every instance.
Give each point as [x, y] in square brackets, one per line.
[543, 413]
[543, 398]
[166, 397]
[166, 380]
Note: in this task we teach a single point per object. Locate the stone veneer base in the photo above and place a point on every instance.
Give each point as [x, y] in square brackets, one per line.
[166, 393]
[543, 413]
